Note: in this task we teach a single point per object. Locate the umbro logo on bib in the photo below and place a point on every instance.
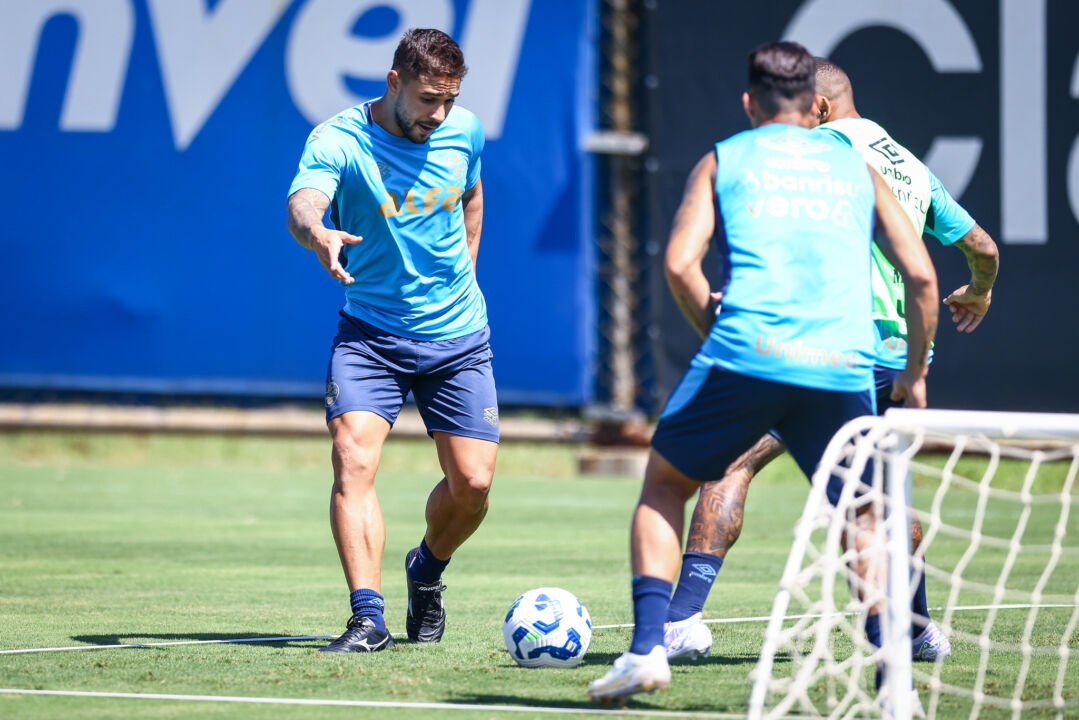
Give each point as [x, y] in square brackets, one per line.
[884, 147]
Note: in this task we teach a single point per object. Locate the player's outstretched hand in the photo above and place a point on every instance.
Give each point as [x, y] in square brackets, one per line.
[968, 308]
[911, 390]
[328, 245]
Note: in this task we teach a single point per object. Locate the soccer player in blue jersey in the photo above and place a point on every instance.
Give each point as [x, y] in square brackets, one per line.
[400, 176]
[717, 518]
[793, 347]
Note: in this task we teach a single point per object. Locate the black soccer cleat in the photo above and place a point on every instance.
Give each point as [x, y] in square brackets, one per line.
[426, 619]
[362, 636]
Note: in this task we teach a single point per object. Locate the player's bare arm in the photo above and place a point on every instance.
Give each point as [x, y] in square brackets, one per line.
[306, 208]
[906, 251]
[694, 225]
[970, 303]
[472, 202]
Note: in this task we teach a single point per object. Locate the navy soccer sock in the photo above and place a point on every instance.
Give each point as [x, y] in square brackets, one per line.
[424, 567]
[872, 632]
[919, 606]
[694, 583]
[368, 603]
[651, 595]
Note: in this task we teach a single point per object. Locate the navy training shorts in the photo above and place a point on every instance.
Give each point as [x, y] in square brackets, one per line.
[882, 379]
[451, 381]
[715, 415]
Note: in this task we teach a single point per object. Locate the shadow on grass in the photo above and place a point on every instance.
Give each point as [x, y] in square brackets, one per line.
[583, 704]
[636, 703]
[598, 659]
[727, 660]
[151, 640]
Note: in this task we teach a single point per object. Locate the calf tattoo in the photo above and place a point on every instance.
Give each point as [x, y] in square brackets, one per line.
[717, 519]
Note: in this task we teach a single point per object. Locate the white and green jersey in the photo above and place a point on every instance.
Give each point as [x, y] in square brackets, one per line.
[928, 205]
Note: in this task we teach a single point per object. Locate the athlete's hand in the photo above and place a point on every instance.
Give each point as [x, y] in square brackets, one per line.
[717, 298]
[911, 390]
[968, 308]
[328, 245]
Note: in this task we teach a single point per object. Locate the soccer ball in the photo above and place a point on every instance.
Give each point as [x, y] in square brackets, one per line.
[547, 627]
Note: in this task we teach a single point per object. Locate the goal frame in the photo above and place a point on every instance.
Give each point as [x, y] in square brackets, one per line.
[906, 429]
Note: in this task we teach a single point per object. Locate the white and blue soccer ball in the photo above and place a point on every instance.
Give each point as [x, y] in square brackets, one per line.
[547, 627]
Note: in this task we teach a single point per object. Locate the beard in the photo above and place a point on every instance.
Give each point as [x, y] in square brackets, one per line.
[408, 127]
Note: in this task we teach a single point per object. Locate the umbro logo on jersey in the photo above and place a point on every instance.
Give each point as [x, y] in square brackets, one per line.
[885, 147]
[382, 167]
[793, 143]
[491, 415]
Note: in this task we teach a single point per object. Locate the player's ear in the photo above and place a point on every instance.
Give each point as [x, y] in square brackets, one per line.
[747, 105]
[393, 82]
[824, 108]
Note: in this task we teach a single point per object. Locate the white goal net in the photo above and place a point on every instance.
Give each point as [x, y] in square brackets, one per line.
[996, 495]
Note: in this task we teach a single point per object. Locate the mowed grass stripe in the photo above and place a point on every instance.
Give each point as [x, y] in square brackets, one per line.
[110, 540]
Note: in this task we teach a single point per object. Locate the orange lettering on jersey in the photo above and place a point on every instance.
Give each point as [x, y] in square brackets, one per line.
[449, 197]
[430, 197]
[391, 207]
[796, 351]
[453, 195]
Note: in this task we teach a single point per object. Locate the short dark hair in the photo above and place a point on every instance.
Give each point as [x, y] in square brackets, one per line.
[782, 77]
[425, 51]
[832, 81]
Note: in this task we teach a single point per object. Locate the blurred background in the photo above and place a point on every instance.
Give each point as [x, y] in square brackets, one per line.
[147, 147]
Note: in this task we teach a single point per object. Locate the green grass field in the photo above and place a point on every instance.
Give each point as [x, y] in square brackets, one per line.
[121, 539]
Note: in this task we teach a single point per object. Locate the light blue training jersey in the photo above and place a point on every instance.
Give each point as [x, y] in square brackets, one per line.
[413, 274]
[795, 229]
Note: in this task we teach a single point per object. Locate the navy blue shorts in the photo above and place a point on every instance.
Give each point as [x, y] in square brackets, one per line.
[882, 379]
[451, 380]
[715, 415]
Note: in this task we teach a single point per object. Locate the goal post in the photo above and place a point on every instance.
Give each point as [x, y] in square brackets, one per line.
[998, 501]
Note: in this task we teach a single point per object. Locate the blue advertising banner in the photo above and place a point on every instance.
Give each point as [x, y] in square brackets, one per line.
[148, 146]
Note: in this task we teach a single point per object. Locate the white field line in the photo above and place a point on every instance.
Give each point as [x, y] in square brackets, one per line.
[375, 704]
[166, 644]
[285, 638]
[765, 618]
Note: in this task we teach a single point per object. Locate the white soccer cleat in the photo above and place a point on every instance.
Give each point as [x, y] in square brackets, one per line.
[916, 709]
[687, 638]
[931, 644]
[633, 673]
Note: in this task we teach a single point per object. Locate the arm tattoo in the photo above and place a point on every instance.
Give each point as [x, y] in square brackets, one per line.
[305, 210]
[982, 259]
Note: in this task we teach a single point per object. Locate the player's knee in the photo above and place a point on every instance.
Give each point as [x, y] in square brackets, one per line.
[915, 531]
[354, 463]
[471, 490]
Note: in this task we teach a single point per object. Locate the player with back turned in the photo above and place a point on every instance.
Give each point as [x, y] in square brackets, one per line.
[717, 518]
[401, 177]
[793, 347]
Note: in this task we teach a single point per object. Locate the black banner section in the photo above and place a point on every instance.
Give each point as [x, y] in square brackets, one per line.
[984, 92]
